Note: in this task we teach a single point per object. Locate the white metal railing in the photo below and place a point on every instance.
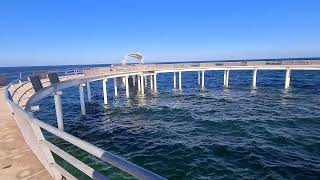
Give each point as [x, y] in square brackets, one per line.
[31, 130]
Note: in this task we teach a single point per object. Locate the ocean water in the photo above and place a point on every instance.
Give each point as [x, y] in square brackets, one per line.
[218, 133]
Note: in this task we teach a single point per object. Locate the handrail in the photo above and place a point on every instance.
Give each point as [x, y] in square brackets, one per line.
[75, 162]
[108, 157]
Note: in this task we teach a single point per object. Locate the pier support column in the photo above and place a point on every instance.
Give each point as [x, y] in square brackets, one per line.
[123, 80]
[115, 86]
[127, 86]
[180, 85]
[155, 82]
[139, 83]
[145, 81]
[254, 79]
[89, 91]
[142, 84]
[151, 82]
[134, 80]
[226, 78]
[287, 83]
[199, 78]
[82, 103]
[58, 107]
[202, 80]
[105, 93]
[174, 80]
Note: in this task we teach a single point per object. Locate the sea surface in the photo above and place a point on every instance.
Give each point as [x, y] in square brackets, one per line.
[215, 133]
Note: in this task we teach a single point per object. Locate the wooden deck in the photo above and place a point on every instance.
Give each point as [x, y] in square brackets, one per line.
[17, 161]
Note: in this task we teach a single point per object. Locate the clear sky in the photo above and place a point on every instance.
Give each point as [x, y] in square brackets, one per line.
[88, 32]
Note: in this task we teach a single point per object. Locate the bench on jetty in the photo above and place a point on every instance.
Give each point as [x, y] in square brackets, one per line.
[22, 96]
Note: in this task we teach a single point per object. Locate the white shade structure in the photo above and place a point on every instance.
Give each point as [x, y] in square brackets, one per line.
[136, 56]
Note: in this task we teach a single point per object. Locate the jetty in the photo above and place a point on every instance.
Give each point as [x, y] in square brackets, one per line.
[25, 152]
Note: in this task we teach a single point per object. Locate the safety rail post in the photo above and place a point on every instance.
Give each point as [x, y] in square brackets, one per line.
[33, 136]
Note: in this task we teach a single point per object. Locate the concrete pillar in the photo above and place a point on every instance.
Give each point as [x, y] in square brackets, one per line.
[142, 84]
[145, 81]
[151, 82]
[127, 86]
[134, 80]
[202, 80]
[123, 80]
[155, 82]
[287, 83]
[105, 93]
[139, 82]
[198, 77]
[174, 80]
[58, 107]
[89, 91]
[82, 103]
[115, 86]
[254, 79]
[180, 85]
[226, 78]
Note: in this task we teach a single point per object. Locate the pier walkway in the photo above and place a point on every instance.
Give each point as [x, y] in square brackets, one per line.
[26, 154]
[17, 161]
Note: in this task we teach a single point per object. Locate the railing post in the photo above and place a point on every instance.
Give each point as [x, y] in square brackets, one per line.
[49, 160]
[58, 107]
[82, 103]
[287, 83]
[105, 93]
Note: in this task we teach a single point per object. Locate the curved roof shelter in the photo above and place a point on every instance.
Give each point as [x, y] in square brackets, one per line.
[136, 56]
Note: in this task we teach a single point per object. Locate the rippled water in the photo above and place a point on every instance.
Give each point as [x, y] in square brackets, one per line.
[218, 133]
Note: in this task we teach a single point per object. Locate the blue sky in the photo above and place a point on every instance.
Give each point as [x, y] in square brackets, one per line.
[60, 32]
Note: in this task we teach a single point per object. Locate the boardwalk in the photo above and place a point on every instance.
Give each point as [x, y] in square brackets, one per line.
[17, 161]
